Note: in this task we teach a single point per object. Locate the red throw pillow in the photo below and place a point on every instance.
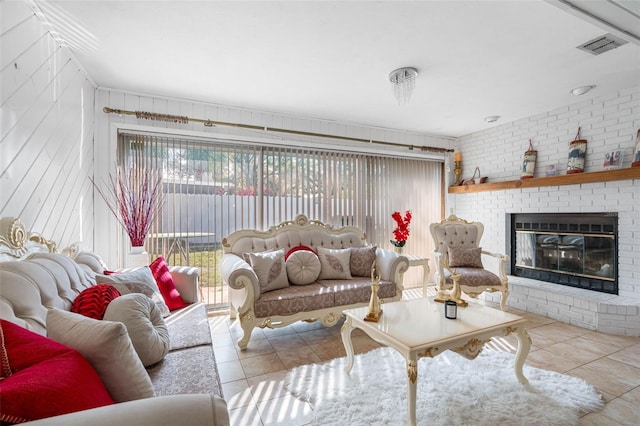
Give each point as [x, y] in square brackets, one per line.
[298, 248]
[42, 378]
[171, 296]
[93, 301]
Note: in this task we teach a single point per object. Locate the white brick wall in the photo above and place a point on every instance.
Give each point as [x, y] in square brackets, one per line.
[608, 123]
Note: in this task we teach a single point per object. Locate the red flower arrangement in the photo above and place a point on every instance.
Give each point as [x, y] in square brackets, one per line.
[401, 233]
[134, 198]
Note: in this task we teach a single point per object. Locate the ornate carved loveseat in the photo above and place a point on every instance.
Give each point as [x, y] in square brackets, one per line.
[320, 299]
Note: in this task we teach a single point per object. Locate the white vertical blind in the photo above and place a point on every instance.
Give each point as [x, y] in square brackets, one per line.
[213, 188]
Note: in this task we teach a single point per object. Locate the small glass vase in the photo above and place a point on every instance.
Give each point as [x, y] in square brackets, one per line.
[398, 250]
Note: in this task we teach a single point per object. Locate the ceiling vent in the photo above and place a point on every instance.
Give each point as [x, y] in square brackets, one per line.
[602, 44]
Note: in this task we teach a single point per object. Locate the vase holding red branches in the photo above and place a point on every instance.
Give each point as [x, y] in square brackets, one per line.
[401, 233]
[135, 198]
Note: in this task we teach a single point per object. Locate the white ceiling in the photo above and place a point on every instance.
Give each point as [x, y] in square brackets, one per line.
[331, 60]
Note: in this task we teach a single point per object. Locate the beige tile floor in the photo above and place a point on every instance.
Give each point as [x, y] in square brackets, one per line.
[252, 380]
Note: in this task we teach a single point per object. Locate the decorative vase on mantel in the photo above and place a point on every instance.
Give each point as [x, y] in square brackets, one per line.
[137, 257]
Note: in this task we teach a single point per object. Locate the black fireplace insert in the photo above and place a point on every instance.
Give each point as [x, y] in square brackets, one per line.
[573, 249]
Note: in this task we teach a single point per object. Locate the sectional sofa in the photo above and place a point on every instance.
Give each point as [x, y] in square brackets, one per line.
[38, 284]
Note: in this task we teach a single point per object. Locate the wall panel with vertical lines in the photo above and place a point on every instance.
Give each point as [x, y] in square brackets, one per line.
[46, 132]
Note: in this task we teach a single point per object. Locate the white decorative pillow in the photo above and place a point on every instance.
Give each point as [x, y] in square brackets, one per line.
[139, 280]
[303, 267]
[107, 347]
[270, 269]
[145, 325]
[334, 264]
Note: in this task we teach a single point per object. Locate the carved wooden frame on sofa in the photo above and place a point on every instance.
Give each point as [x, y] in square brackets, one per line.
[321, 300]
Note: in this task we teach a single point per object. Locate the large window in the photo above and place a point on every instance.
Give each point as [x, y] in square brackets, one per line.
[213, 188]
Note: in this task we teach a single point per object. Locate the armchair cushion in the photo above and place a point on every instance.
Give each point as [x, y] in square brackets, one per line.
[270, 268]
[303, 267]
[334, 264]
[465, 257]
[474, 277]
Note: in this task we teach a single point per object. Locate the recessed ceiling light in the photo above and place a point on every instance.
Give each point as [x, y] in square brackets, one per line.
[582, 90]
[492, 118]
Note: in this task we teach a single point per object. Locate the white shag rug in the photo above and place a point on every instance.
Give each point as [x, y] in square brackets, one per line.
[451, 391]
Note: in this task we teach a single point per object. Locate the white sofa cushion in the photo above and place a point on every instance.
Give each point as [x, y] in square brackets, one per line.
[145, 325]
[334, 264]
[138, 280]
[303, 267]
[270, 268]
[108, 348]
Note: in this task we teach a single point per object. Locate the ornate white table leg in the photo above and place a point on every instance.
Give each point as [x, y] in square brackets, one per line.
[347, 328]
[412, 380]
[524, 344]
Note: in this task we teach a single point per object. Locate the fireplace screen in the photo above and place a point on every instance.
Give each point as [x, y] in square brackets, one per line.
[576, 254]
[566, 250]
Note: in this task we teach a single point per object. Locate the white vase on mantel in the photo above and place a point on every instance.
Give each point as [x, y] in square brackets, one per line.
[137, 257]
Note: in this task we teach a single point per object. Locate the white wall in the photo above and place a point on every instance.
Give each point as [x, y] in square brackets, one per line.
[608, 122]
[46, 130]
[108, 235]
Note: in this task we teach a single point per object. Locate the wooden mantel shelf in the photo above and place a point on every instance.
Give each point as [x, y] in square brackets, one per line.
[572, 179]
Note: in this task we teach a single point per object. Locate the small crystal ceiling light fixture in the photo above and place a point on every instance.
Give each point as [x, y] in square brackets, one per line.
[582, 90]
[492, 118]
[403, 81]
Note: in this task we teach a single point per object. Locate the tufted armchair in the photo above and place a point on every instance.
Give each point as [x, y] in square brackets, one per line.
[458, 257]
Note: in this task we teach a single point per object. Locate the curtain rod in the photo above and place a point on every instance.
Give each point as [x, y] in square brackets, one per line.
[210, 123]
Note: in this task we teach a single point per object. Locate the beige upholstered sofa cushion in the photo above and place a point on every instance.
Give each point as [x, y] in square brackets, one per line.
[270, 269]
[138, 280]
[362, 259]
[145, 325]
[107, 346]
[334, 264]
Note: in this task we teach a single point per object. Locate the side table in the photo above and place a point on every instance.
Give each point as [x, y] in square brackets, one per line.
[424, 262]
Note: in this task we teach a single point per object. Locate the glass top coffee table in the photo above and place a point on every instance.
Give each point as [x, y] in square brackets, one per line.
[418, 328]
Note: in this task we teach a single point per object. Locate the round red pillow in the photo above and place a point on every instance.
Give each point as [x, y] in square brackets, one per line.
[93, 301]
[298, 248]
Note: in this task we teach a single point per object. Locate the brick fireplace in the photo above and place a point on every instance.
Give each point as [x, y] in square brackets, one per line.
[609, 313]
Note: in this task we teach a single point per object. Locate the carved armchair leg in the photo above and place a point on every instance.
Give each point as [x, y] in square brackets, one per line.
[503, 298]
